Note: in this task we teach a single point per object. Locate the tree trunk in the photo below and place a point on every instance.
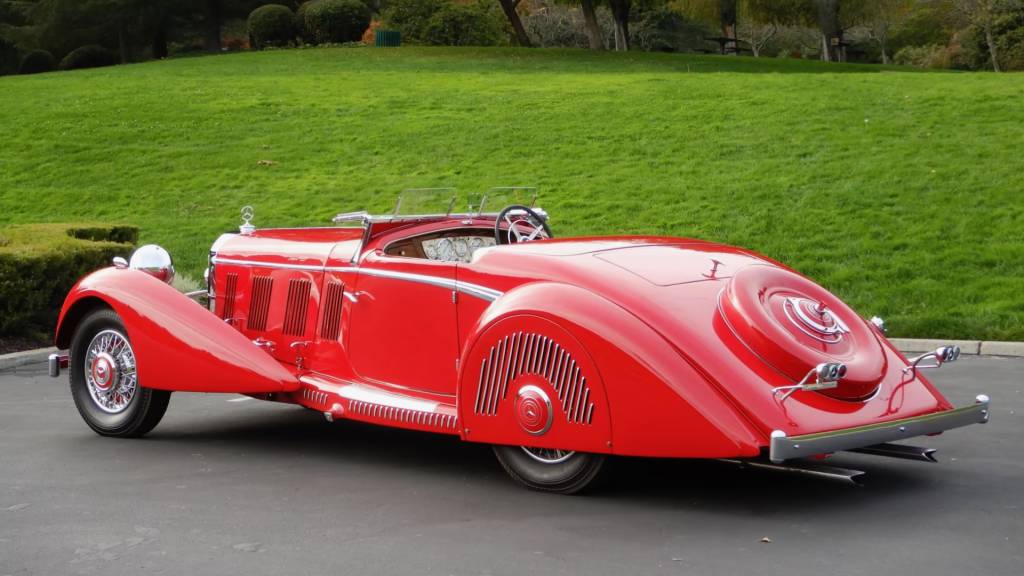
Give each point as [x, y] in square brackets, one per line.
[160, 37]
[831, 32]
[122, 40]
[991, 47]
[620, 13]
[212, 24]
[593, 28]
[518, 32]
[727, 13]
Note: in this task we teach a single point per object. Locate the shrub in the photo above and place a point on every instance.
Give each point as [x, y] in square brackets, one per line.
[39, 263]
[928, 56]
[559, 26]
[271, 25]
[333, 21]
[88, 56]
[410, 17]
[665, 30]
[464, 25]
[35, 62]
[8, 57]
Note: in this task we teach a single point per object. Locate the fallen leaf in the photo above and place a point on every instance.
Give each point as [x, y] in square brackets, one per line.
[766, 540]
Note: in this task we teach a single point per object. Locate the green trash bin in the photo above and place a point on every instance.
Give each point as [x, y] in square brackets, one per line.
[387, 38]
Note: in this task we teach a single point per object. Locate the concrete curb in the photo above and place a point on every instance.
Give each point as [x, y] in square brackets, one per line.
[969, 347]
[15, 359]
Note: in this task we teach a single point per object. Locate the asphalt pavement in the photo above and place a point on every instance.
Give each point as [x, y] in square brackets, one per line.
[232, 486]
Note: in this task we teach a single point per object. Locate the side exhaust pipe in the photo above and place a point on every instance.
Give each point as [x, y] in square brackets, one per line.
[845, 475]
[899, 451]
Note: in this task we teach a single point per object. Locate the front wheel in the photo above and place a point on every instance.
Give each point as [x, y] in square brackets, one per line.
[104, 382]
[547, 470]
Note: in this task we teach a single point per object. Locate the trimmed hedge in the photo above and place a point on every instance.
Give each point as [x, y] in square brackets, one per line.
[88, 56]
[271, 25]
[35, 62]
[333, 21]
[464, 25]
[8, 57]
[39, 263]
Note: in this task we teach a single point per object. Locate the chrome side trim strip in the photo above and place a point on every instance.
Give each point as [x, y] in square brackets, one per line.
[281, 265]
[482, 292]
[785, 448]
[478, 291]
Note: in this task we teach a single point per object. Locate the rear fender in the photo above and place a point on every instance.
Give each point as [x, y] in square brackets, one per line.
[648, 401]
[178, 344]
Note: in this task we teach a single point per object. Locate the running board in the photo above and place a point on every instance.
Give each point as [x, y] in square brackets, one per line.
[899, 451]
[854, 477]
[343, 399]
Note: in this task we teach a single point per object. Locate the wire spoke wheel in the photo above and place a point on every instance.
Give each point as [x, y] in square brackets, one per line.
[548, 455]
[550, 469]
[110, 371]
[104, 379]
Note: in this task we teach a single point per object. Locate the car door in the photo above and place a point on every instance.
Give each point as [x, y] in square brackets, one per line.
[403, 327]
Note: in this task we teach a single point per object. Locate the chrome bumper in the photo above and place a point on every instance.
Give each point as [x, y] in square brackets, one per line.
[788, 447]
[56, 362]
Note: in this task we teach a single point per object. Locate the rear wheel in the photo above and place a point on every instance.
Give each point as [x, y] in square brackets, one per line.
[104, 381]
[548, 470]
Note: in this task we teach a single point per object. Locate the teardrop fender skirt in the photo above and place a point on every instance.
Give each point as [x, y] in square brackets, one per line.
[178, 344]
[788, 447]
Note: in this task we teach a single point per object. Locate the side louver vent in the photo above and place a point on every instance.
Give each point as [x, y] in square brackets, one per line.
[526, 353]
[227, 310]
[259, 304]
[330, 326]
[296, 307]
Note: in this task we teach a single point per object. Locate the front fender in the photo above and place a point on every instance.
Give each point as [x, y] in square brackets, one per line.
[656, 404]
[178, 344]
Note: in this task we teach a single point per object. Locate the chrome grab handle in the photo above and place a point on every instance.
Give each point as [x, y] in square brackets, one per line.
[826, 375]
[299, 346]
[265, 344]
[941, 355]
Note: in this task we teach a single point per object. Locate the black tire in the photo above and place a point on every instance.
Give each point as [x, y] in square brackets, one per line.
[146, 406]
[569, 476]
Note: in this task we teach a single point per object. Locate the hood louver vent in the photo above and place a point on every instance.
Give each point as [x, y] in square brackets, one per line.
[296, 307]
[227, 309]
[330, 326]
[259, 304]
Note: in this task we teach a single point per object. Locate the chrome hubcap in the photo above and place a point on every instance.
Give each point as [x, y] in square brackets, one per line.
[110, 371]
[548, 455]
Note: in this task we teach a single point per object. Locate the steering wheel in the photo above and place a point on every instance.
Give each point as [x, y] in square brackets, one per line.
[524, 225]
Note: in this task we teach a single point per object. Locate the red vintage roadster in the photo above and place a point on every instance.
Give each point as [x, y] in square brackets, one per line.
[558, 352]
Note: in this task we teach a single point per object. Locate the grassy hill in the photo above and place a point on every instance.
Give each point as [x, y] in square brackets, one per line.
[902, 191]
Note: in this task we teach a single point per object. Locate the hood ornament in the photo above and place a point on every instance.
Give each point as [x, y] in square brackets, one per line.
[247, 215]
[714, 270]
[815, 319]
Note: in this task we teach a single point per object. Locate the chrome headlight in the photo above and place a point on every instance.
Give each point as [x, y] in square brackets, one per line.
[155, 261]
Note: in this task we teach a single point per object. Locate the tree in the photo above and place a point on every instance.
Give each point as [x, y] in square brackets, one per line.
[727, 12]
[882, 16]
[620, 13]
[518, 32]
[983, 14]
[594, 36]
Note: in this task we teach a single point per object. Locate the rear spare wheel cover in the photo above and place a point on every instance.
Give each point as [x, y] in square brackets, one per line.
[793, 324]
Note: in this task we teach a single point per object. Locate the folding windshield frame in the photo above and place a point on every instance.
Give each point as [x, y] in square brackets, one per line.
[364, 218]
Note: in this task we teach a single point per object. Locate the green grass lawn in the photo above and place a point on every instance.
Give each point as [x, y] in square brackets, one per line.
[899, 190]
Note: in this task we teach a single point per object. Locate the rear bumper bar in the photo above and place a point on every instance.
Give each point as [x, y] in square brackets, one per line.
[788, 447]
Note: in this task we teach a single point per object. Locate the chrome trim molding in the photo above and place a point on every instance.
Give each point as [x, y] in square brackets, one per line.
[788, 447]
[281, 265]
[481, 292]
[475, 290]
